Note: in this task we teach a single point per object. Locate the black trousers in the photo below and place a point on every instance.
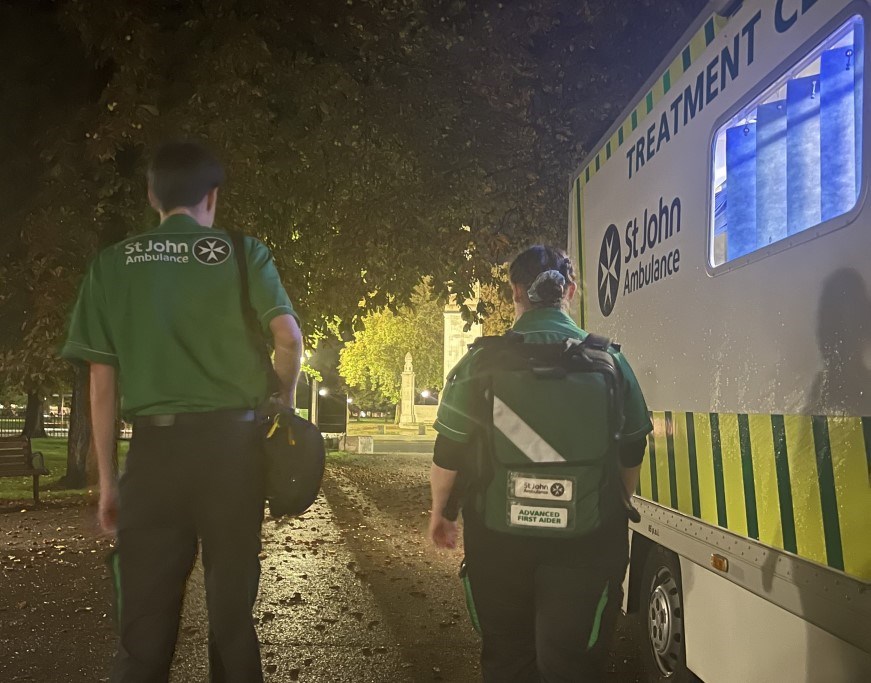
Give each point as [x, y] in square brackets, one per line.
[184, 484]
[546, 608]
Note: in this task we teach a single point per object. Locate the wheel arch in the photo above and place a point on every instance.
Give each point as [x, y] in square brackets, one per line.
[640, 549]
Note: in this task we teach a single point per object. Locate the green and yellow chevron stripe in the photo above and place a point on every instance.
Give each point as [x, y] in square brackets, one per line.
[678, 67]
[794, 482]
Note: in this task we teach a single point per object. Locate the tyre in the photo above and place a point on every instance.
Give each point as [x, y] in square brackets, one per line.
[660, 625]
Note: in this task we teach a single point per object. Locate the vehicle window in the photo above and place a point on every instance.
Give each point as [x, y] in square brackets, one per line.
[791, 159]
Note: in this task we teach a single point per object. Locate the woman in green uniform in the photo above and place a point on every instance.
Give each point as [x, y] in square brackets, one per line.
[545, 605]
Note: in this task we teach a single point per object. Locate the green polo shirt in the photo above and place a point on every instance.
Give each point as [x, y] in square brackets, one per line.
[549, 325]
[165, 309]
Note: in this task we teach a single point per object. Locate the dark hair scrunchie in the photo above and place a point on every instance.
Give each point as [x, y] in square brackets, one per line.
[548, 288]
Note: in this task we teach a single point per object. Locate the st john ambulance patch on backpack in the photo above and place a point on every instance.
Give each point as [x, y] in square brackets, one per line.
[539, 488]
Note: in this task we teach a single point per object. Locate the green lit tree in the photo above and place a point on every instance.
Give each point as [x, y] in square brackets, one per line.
[374, 359]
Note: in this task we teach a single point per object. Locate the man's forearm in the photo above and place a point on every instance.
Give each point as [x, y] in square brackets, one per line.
[287, 340]
[287, 366]
[441, 483]
[103, 419]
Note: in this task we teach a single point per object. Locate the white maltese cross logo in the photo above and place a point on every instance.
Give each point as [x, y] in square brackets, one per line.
[211, 250]
[609, 270]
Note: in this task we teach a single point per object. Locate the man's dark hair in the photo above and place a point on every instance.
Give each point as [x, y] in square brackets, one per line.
[182, 173]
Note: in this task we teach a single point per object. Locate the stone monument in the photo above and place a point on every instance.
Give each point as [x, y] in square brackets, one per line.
[406, 395]
[457, 340]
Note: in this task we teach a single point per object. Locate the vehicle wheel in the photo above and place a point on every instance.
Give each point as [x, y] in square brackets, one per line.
[660, 623]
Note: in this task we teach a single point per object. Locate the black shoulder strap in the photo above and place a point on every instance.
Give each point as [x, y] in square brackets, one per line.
[510, 337]
[597, 341]
[248, 312]
[599, 350]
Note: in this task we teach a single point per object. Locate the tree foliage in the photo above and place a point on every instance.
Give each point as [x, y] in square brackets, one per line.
[374, 359]
[38, 86]
[360, 136]
[499, 301]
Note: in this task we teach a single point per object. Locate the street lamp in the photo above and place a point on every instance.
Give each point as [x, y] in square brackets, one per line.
[350, 400]
[323, 391]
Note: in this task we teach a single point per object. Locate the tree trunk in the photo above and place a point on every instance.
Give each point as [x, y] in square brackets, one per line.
[33, 418]
[79, 439]
[81, 456]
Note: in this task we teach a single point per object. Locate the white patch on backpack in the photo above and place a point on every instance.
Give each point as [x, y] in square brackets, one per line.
[542, 489]
[551, 518]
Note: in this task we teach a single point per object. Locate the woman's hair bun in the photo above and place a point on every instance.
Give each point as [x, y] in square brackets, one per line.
[548, 288]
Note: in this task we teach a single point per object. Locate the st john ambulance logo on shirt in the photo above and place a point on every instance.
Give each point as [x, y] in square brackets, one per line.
[609, 270]
[211, 250]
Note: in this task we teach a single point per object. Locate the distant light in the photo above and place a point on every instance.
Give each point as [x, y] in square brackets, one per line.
[323, 392]
[350, 400]
[425, 393]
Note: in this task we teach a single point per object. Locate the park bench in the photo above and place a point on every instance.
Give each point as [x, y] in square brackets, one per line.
[17, 460]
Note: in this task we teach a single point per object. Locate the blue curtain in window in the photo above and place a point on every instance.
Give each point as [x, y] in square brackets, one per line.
[858, 80]
[771, 172]
[837, 132]
[741, 174]
[802, 153]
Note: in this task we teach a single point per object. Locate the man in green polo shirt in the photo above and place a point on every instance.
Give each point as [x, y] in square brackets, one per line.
[159, 319]
[545, 604]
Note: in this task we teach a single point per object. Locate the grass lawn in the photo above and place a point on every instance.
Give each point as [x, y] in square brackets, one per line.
[54, 452]
[366, 428]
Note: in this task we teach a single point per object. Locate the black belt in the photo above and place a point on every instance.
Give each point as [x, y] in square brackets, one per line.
[194, 419]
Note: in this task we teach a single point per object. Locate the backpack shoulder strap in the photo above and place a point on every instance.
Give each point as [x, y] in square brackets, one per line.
[497, 340]
[248, 312]
[598, 351]
[598, 342]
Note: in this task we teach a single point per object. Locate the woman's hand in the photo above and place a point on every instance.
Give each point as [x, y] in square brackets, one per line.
[442, 532]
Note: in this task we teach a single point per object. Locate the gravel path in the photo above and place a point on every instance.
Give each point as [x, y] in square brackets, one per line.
[349, 592]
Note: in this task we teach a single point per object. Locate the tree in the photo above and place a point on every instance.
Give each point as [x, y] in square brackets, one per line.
[37, 87]
[375, 358]
[350, 154]
[499, 302]
[365, 400]
[359, 137]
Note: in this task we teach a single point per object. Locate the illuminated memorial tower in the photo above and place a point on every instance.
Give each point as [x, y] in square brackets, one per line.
[407, 395]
